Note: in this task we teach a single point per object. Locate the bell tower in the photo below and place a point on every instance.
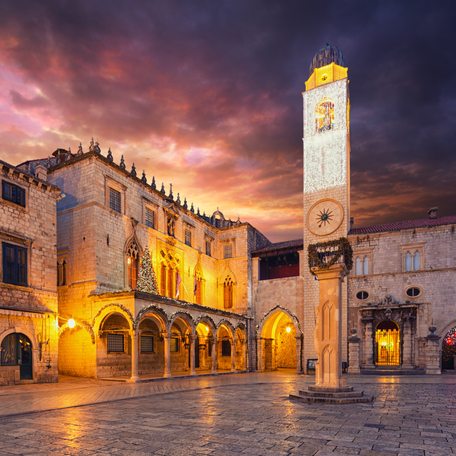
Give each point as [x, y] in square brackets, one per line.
[326, 140]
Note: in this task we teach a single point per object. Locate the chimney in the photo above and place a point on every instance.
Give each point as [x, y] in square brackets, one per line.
[432, 212]
[41, 172]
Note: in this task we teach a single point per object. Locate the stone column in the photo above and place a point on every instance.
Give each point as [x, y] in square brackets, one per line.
[368, 345]
[298, 354]
[233, 355]
[191, 346]
[134, 356]
[214, 355]
[260, 352]
[167, 354]
[353, 353]
[407, 345]
[328, 330]
[433, 352]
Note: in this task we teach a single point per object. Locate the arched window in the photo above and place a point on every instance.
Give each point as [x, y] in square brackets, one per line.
[198, 288]
[408, 262]
[366, 265]
[228, 286]
[416, 261]
[163, 279]
[358, 266]
[132, 264]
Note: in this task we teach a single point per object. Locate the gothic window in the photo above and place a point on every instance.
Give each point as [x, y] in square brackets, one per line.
[198, 288]
[14, 264]
[13, 193]
[358, 266]
[171, 274]
[163, 279]
[366, 265]
[115, 200]
[228, 293]
[324, 116]
[412, 260]
[132, 264]
[416, 261]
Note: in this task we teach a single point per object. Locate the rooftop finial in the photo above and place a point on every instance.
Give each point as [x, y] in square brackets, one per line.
[171, 191]
[80, 151]
[122, 162]
[192, 209]
[153, 184]
[109, 156]
[96, 148]
[162, 190]
[185, 206]
[144, 178]
[91, 145]
[133, 170]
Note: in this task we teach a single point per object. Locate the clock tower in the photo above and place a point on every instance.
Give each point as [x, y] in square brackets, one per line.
[326, 142]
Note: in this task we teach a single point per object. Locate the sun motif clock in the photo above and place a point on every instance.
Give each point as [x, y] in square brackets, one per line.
[324, 217]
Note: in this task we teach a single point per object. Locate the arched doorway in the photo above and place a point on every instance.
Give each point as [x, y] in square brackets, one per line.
[278, 342]
[16, 350]
[203, 346]
[387, 344]
[114, 349]
[449, 350]
[180, 345]
[225, 349]
[151, 352]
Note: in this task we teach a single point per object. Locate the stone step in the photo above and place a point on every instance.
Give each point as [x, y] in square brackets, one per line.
[319, 389]
[332, 400]
[392, 371]
[331, 394]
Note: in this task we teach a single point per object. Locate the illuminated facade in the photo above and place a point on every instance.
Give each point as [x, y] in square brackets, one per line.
[28, 290]
[217, 295]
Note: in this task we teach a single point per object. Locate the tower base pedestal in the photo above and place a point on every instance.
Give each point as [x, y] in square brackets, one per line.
[343, 395]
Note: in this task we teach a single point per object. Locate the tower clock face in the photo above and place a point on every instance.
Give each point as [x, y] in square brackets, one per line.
[324, 217]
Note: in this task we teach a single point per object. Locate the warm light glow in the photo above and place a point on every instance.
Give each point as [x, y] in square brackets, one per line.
[71, 323]
[288, 329]
[128, 261]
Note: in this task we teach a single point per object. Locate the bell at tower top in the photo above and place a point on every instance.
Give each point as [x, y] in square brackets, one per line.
[327, 66]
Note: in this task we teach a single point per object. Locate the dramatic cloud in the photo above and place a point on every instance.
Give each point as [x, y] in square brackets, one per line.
[207, 95]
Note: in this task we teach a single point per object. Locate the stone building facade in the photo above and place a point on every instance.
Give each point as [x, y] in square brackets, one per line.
[28, 290]
[220, 295]
[196, 319]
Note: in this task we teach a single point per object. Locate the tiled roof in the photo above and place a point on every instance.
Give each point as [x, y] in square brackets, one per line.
[405, 225]
[296, 244]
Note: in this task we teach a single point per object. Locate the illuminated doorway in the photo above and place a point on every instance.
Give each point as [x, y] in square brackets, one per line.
[449, 350]
[278, 342]
[387, 343]
[16, 349]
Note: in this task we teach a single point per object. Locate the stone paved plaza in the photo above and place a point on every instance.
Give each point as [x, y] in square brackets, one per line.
[247, 414]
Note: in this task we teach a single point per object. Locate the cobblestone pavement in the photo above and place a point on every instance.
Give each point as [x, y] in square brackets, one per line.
[246, 414]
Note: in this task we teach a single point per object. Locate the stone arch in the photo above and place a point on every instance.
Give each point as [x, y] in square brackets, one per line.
[79, 325]
[286, 311]
[21, 350]
[279, 339]
[447, 351]
[156, 312]
[228, 325]
[208, 320]
[111, 308]
[22, 330]
[184, 316]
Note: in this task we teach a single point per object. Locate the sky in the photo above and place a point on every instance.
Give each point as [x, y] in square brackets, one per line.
[207, 95]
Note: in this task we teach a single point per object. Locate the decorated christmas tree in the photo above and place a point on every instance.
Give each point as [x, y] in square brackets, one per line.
[147, 281]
